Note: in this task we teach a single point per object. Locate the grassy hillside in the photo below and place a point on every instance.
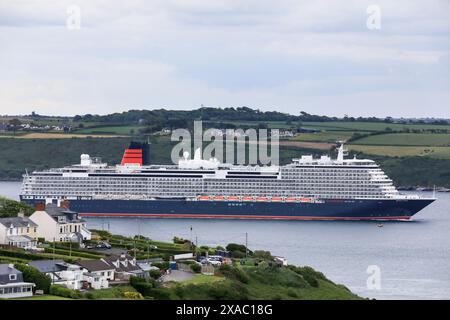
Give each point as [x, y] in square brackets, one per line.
[260, 283]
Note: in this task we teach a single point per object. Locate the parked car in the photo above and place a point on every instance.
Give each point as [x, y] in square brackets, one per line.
[215, 263]
[103, 245]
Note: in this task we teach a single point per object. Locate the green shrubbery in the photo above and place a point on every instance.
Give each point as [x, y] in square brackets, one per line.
[10, 208]
[233, 273]
[33, 275]
[17, 253]
[196, 267]
[237, 250]
[310, 275]
[149, 289]
[61, 291]
[155, 274]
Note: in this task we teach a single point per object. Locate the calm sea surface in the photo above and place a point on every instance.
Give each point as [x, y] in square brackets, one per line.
[413, 257]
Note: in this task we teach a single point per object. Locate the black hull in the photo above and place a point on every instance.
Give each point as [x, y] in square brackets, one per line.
[326, 210]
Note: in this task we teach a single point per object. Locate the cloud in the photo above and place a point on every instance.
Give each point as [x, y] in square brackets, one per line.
[184, 53]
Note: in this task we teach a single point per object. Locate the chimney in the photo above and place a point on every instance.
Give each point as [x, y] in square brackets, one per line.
[21, 214]
[64, 204]
[40, 206]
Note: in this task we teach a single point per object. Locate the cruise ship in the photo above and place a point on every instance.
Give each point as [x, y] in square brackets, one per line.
[306, 189]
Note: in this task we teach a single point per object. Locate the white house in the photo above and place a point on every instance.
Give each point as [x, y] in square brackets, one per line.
[60, 272]
[12, 284]
[124, 266]
[18, 231]
[97, 273]
[59, 224]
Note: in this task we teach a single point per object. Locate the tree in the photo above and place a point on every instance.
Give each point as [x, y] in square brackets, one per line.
[33, 275]
[15, 124]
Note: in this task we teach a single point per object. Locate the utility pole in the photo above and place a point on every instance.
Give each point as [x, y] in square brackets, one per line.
[54, 248]
[246, 245]
[192, 248]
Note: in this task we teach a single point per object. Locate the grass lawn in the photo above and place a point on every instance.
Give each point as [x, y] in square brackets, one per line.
[201, 278]
[406, 139]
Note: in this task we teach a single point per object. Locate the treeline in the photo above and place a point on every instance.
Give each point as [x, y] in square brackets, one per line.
[183, 118]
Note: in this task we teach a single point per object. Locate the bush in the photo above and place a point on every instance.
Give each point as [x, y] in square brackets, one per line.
[162, 266]
[310, 275]
[291, 293]
[155, 274]
[234, 273]
[261, 254]
[132, 295]
[237, 250]
[61, 291]
[33, 275]
[22, 254]
[235, 247]
[196, 268]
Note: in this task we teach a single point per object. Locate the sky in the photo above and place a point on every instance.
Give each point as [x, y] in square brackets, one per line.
[357, 58]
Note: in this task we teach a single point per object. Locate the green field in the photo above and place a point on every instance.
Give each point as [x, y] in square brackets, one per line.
[324, 136]
[402, 151]
[115, 130]
[406, 139]
[369, 126]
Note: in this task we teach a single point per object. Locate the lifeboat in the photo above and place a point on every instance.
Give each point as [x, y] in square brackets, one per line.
[262, 199]
[247, 199]
[277, 199]
[291, 199]
[219, 198]
[305, 200]
[203, 198]
[233, 198]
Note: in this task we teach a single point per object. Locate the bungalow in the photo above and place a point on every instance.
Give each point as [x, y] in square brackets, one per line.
[18, 231]
[59, 223]
[60, 272]
[96, 273]
[12, 284]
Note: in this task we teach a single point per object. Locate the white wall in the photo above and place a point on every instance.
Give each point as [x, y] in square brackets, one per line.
[47, 226]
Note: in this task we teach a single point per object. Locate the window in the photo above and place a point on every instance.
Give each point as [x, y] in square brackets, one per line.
[13, 277]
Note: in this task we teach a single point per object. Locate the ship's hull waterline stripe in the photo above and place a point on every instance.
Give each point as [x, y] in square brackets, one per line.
[224, 216]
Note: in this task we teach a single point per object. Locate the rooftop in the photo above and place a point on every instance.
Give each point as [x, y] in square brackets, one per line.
[95, 265]
[17, 222]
